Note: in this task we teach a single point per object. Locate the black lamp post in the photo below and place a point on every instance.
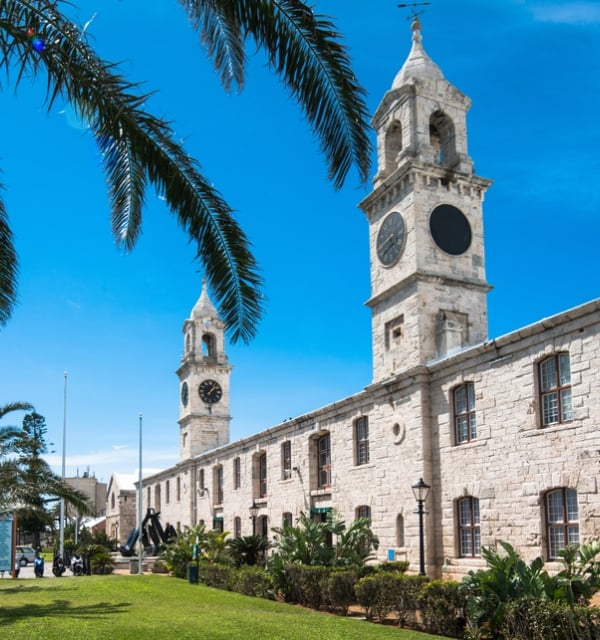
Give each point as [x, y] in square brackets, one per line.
[421, 491]
[253, 513]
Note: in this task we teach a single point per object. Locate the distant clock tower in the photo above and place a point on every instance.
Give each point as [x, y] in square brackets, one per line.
[428, 284]
[204, 381]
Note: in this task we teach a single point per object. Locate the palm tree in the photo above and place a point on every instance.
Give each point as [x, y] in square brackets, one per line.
[37, 38]
[27, 483]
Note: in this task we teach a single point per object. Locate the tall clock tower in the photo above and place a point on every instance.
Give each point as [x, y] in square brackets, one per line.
[428, 283]
[204, 381]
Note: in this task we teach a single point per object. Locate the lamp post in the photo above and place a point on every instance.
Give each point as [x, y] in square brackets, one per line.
[253, 513]
[139, 504]
[421, 491]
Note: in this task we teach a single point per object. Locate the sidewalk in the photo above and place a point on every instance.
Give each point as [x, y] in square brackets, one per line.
[26, 573]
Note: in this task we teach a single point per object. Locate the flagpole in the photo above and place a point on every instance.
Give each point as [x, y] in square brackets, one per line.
[140, 536]
[64, 451]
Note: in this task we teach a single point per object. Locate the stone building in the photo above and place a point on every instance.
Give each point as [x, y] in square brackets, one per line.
[503, 430]
[94, 490]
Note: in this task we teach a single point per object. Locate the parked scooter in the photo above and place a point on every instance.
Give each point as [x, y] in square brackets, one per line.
[77, 565]
[58, 566]
[38, 565]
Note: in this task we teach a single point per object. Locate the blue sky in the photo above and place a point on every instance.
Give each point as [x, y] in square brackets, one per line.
[113, 321]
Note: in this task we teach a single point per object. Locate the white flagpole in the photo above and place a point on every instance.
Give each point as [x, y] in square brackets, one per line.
[64, 451]
[140, 537]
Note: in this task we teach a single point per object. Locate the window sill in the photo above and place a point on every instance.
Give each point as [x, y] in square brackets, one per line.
[321, 492]
[551, 428]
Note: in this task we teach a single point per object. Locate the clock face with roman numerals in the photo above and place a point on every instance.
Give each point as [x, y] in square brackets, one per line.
[390, 239]
[210, 391]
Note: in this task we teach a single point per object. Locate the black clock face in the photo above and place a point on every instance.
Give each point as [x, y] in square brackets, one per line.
[184, 394]
[210, 391]
[450, 229]
[390, 239]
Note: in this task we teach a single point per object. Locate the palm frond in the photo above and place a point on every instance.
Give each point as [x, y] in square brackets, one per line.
[306, 51]
[221, 35]
[15, 406]
[8, 268]
[139, 147]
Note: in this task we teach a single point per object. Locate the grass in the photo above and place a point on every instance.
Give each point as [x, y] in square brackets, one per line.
[124, 607]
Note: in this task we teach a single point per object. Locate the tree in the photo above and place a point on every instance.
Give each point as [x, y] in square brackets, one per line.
[29, 483]
[304, 49]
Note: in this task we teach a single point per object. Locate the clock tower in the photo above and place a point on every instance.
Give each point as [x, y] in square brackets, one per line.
[204, 381]
[428, 283]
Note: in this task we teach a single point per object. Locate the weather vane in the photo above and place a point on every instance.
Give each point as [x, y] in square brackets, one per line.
[413, 6]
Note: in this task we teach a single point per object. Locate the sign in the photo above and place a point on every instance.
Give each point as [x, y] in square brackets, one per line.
[7, 543]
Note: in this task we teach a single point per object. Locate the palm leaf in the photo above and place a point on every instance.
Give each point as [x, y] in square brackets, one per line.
[305, 50]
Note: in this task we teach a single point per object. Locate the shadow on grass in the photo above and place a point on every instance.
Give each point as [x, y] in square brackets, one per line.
[59, 608]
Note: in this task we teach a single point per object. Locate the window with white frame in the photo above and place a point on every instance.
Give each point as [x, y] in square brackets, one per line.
[555, 389]
[324, 461]
[469, 531]
[286, 460]
[465, 424]
[562, 520]
[237, 473]
[361, 440]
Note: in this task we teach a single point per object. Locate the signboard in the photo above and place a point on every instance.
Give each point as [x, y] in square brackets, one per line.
[7, 543]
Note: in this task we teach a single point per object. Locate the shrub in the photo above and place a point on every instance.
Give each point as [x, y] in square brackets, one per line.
[312, 585]
[441, 605]
[399, 566]
[340, 590]
[215, 575]
[535, 619]
[367, 593]
[252, 581]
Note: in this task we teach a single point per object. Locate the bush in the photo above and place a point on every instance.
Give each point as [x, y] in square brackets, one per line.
[399, 566]
[252, 581]
[219, 576]
[340, 590]
[441, 605]
[312, 585]
[535, 619]
[367, 593]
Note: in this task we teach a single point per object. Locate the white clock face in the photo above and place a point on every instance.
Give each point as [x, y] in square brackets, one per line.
[390, 239]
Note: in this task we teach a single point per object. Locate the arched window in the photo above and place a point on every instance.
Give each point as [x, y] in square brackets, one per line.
[209, 346]
[364, 511]
[562, 520]
[393, 145]
[469, 531]
[112, 500]
[399, 530]
[237, 527]
[218, 484]
[442, 138]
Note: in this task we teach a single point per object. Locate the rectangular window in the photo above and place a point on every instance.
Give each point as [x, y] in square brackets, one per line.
[167, 491]
[324, 461]
[469, 531]
[286, 460]
[555, 389]
[287, 519]
[237, 527]
[201, 484]
[218, 525]
[262, 475]
[237, 473]
[178, 489]
[361, 437]
[218, 477]
[465, 424]
[562, 520]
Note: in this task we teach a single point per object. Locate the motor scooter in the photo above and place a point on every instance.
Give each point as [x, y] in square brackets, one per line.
[38, 566]
[58, 566]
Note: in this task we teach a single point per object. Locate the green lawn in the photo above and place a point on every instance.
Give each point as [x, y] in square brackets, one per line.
[152, 606]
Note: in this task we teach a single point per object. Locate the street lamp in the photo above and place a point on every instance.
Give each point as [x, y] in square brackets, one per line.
[421, 491]
[253, 513]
